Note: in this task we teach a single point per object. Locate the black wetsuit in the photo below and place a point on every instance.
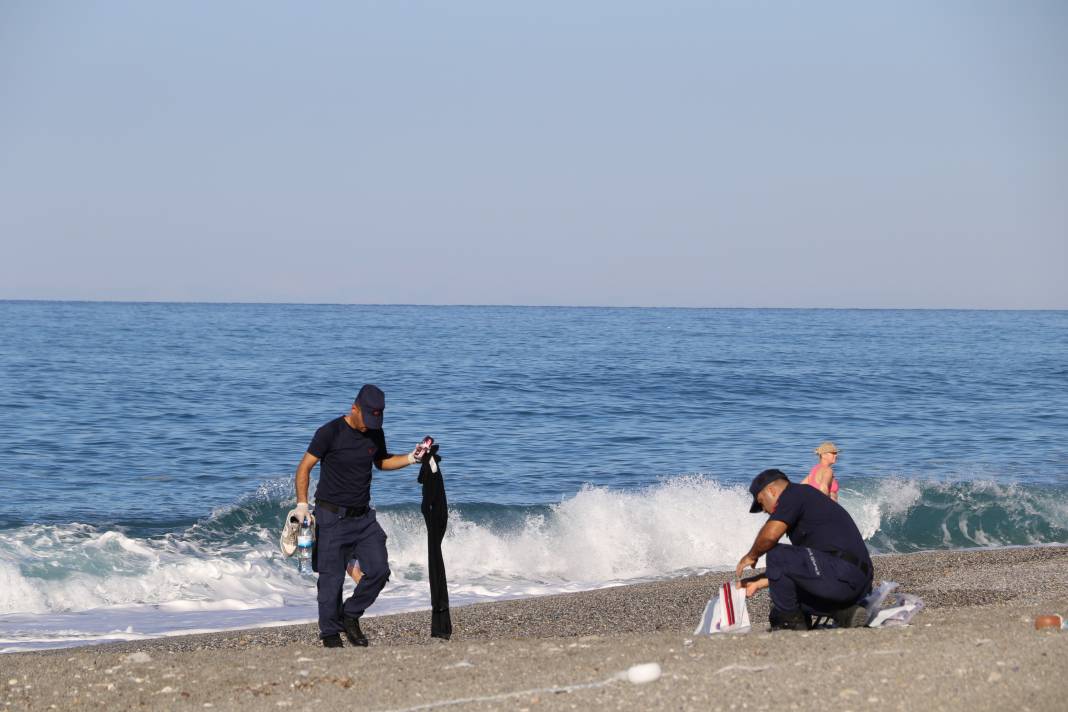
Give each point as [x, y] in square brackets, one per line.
[436, 513]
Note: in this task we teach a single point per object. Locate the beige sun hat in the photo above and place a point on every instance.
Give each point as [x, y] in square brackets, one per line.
[826, 447]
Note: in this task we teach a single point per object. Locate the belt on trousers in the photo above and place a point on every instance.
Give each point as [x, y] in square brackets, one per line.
[344, 512]
[847, 557]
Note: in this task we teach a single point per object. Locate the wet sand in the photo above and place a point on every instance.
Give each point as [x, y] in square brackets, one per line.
[974, 648]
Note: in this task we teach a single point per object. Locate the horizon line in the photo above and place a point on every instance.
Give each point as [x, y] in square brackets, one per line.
[521, 306]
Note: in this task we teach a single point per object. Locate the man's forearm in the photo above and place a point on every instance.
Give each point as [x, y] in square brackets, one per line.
[303, 476]
[394, 462]
[761, 546]
[767, 538]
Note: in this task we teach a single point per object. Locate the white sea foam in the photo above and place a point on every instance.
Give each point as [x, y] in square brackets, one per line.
[597, 536]
[17, 593]
[77, 568]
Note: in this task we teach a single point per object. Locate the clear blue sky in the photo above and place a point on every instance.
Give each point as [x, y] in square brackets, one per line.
[843, 154]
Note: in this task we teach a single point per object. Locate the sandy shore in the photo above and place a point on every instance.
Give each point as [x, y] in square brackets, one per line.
[974, 648]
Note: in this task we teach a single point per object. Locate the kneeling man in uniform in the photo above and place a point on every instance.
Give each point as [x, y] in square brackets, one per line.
[824, 571]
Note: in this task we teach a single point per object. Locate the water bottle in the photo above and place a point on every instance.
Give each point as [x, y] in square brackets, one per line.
[304, 548]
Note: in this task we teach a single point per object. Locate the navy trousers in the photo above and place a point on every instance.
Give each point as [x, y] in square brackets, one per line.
[811, 581]
[339, 539]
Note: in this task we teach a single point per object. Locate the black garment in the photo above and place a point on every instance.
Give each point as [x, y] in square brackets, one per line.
[816, 521]
[346, 456]
[436, 513]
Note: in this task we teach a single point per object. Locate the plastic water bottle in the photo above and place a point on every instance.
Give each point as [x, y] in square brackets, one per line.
[304, 548]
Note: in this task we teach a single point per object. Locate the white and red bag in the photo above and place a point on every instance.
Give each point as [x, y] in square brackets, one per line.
[726, 613]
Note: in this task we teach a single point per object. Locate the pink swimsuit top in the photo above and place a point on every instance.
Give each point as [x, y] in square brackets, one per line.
[811, 479]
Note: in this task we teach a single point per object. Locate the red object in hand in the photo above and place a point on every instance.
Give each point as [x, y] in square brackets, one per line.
[423, 448]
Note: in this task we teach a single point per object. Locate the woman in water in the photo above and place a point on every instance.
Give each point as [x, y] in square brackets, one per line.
[821, 476]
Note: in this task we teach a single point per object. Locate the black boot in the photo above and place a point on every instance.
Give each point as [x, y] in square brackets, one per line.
[332, 641]
[353, 632]
[855, 616]
[781, 620]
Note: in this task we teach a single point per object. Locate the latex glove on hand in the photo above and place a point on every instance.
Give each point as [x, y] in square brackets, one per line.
[302, 511]
[420, 450]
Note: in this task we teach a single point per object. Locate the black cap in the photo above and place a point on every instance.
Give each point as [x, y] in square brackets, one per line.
[761, 481]
[372, 402]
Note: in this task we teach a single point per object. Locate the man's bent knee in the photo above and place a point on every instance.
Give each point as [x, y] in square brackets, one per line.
[376, 574]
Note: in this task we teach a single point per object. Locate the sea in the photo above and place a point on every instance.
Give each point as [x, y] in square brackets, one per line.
[147, 450]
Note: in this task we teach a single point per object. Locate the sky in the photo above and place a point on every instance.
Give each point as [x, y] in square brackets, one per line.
[908, 154]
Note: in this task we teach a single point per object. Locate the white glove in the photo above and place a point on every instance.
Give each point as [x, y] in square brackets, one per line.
[420, 450]
[302, 511]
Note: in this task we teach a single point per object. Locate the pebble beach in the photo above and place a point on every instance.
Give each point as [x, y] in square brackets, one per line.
[973, 648]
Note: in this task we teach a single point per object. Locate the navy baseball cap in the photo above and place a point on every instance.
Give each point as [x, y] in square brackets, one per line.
[761, 481]
[372, 402]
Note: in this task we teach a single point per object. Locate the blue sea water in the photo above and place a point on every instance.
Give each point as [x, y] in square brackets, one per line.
[148, 449]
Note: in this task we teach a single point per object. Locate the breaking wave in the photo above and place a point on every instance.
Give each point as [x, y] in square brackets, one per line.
[63, 584]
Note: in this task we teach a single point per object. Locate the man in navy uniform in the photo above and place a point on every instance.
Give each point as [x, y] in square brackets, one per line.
[345, 523]
[825, 570]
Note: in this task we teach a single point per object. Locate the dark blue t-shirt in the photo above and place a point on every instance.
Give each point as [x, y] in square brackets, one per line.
[815, 520]
[345, 459]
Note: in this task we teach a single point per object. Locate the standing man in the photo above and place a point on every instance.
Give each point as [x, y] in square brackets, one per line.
[346, 525]
[825, 572]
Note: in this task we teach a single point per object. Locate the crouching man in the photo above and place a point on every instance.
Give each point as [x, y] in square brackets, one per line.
[824, 571]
